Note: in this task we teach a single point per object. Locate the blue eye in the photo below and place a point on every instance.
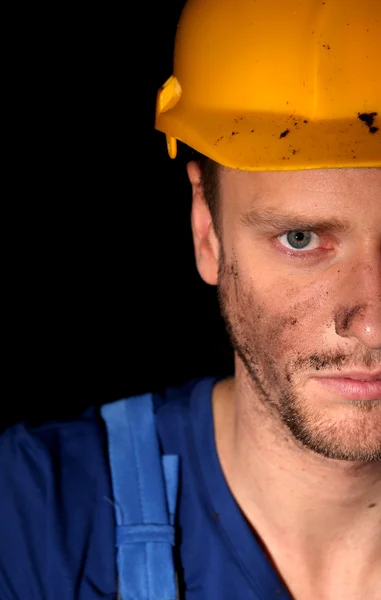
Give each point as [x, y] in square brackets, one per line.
[299, 240]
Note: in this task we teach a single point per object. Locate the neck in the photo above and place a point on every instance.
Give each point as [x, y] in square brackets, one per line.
[288, 493]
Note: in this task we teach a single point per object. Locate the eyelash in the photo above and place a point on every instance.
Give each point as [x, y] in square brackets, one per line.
[299, 254]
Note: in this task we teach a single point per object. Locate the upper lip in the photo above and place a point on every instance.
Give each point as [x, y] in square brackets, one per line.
[358, 375]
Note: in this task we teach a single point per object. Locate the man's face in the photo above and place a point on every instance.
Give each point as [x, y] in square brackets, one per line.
[300, 291]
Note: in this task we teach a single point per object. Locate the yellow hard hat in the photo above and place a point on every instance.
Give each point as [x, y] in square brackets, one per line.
[276, 84]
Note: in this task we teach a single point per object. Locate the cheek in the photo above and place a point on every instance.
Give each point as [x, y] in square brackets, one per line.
[278, 319]
[289, 319]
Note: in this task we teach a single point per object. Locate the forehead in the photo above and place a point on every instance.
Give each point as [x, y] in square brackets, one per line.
[318, 189]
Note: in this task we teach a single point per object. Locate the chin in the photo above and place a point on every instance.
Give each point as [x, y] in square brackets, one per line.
[336, 428]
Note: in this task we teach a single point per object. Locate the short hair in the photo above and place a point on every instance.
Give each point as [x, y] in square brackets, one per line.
[211, 187]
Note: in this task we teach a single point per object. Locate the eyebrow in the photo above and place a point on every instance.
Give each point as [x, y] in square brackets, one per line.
[270, 220]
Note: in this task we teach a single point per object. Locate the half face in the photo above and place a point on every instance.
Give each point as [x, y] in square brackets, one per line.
[299, 279]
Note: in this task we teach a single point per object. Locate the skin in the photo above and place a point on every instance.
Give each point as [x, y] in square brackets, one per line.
[302, 462]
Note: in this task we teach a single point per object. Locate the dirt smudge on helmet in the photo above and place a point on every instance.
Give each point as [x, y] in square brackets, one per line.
[368, 119]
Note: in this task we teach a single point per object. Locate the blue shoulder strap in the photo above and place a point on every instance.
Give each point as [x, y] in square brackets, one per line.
[145, 493]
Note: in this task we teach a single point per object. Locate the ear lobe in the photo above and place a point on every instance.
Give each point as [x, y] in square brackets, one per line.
[206, 244]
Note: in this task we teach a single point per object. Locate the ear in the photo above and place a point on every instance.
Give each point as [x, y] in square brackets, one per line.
[206, 243]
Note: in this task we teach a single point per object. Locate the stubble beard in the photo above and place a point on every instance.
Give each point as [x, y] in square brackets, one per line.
[343, 438]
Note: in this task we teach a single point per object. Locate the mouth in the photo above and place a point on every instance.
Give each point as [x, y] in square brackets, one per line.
[354, 385]
[357, 375]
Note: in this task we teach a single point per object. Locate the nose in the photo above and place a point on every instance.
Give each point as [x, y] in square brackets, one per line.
[359, 316]
[362, 322]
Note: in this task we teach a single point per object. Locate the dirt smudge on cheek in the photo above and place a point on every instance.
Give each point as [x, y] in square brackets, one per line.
[345, 317]
[269, 329]
[295, 327]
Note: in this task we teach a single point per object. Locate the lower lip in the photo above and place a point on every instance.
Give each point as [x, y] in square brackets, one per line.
[352, 388]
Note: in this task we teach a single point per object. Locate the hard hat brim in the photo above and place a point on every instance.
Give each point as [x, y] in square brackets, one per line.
[263, 142]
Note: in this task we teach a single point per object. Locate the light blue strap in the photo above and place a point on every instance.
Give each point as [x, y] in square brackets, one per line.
[171, 475]
[145, 493]
[128, 534]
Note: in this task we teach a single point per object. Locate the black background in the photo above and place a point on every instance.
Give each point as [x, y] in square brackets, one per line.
[102, 293]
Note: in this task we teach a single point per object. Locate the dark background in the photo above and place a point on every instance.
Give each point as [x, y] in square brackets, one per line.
[104, 297]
